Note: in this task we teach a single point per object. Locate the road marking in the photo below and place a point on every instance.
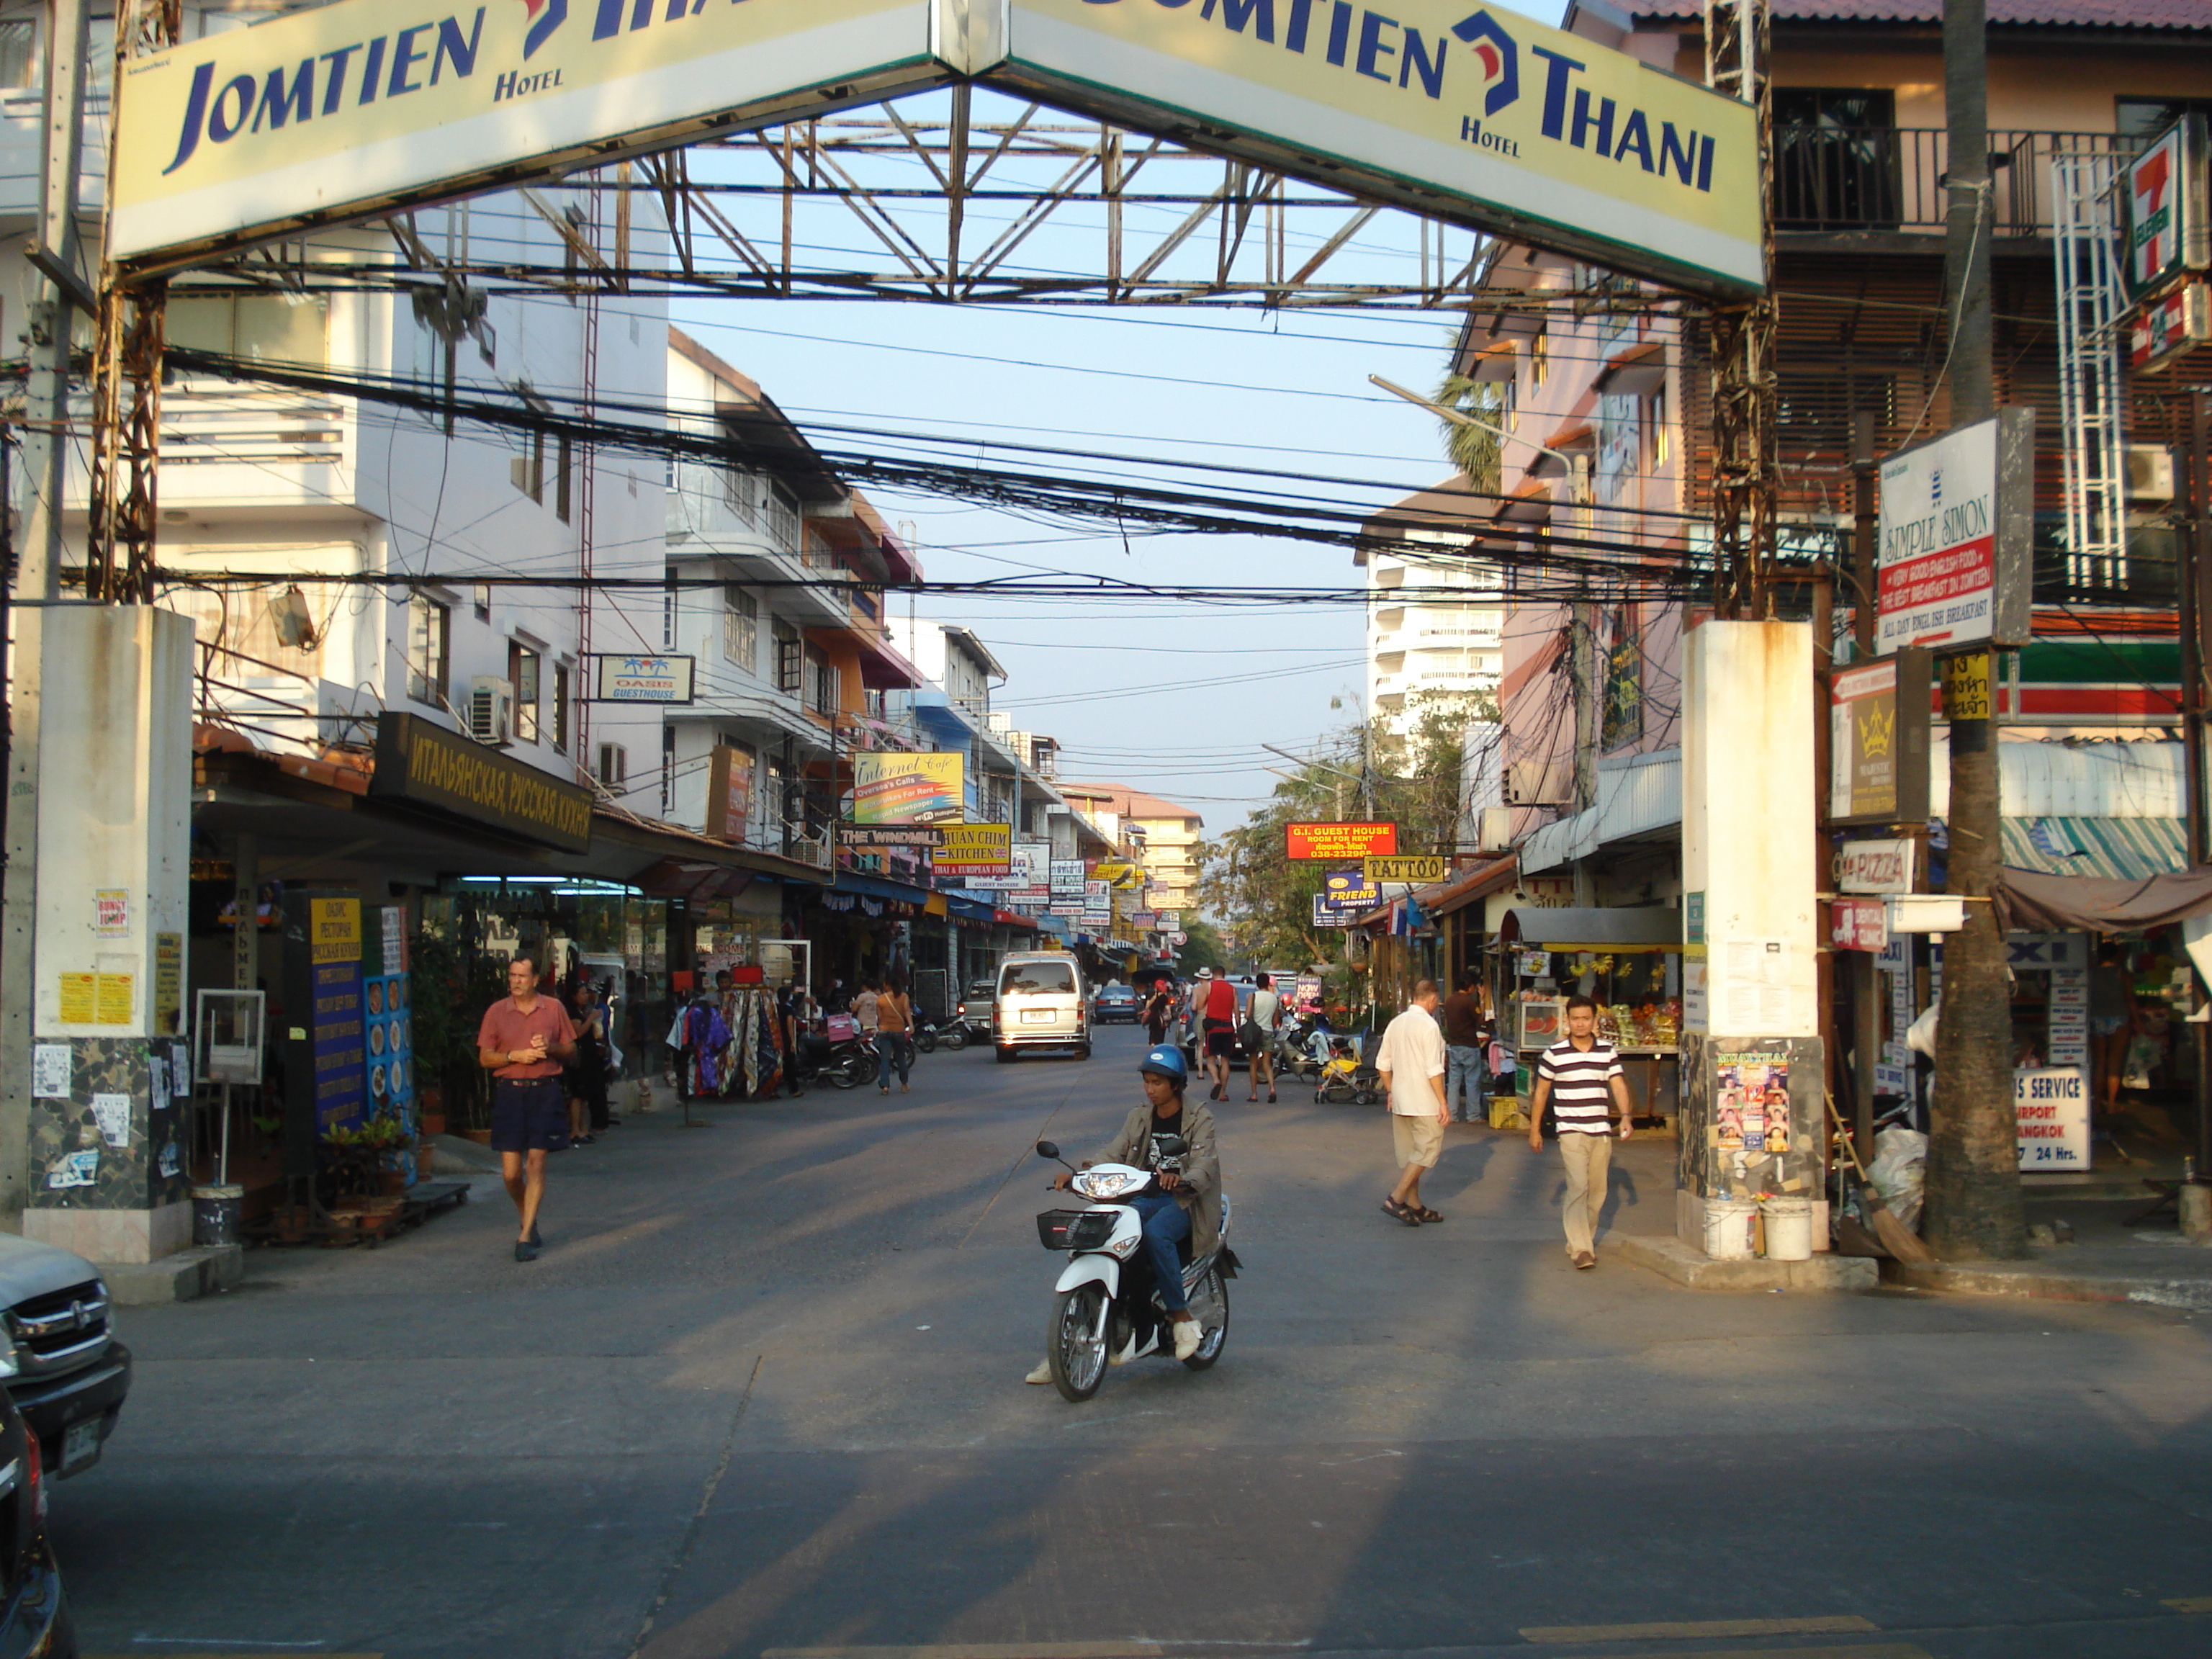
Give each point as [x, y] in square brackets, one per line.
[1836, 1625]
[981, 1651]
[2193, 1604]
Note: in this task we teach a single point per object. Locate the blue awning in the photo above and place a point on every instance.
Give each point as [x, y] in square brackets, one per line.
[851, 881]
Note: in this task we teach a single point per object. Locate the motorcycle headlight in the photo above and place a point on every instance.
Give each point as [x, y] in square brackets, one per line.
[1103, 1186]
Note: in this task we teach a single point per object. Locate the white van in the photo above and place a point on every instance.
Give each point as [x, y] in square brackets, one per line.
[1041, 1005]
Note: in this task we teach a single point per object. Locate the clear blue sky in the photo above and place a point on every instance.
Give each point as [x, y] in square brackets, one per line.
[1177, 699]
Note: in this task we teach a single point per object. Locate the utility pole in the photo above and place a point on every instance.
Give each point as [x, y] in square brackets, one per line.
[38, 571]
[1973, 1196]
[1866, 1011]
[2196, 623]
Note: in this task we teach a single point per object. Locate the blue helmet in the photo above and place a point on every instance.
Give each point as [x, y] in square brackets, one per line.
[1166, 1061]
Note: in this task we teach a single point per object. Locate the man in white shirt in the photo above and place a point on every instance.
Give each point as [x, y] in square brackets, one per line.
[1412, 1060]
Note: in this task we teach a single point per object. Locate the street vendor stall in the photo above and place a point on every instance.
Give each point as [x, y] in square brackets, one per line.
[1629, 962]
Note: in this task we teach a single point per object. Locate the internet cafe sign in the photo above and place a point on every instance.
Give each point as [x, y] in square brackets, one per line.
[1957, 517]
[1878, 741]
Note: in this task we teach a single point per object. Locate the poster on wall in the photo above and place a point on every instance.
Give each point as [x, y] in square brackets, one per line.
[388, 1024]
[910, 788]
[338, 1041]
[2050, 1107]
[729, 792]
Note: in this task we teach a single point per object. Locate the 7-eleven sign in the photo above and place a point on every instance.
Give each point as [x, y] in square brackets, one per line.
[2169, 230]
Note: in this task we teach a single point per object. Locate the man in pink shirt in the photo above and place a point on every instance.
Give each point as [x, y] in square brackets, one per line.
[522, 1041]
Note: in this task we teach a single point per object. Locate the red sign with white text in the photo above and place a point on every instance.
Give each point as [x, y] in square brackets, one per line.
[1342, 843]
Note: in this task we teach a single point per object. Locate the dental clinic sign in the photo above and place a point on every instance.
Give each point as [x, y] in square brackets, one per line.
[1433, 105]
[1957, 518]
[1461, 111]
[367, 104]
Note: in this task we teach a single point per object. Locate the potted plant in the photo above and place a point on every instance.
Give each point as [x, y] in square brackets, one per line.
[449, 987]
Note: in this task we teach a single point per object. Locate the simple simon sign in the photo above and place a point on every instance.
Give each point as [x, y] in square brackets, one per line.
[1464, 111]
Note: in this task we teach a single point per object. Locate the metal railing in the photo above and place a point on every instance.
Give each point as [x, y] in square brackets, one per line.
[239, 427]
[1895, 178]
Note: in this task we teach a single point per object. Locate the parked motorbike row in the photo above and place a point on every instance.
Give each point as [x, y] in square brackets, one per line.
[847, 1062]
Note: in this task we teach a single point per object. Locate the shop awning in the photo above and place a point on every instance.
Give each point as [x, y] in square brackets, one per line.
[1447, 896]
[851, 881]
[2029, 901]
[1649, 928]
[2120, 849]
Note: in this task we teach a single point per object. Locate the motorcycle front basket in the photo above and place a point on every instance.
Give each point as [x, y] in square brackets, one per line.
[1074, 1229]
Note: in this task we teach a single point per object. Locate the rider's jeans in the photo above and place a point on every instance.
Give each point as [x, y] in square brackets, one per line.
[1165, 1225]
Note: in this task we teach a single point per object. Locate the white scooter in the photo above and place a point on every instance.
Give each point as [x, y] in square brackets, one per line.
[1098, 1310]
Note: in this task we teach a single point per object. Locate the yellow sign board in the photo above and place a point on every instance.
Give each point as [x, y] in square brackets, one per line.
[336, 930]
[1406, 866]
[1966, 687]
[896, 788]
[1445, 107]
[366, 106]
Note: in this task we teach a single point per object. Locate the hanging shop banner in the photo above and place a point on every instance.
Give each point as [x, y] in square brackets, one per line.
[1878, 717]
[1448, 109]
[1859, 924]
[339, 1042]
[2168, 325]
[1874, 866]
[2050, 1106]
[642, 680]
[729, 792]
[910, 788]
[976, 849]
[426, 765]
[1957, 523]
[1067, 881]
[1030, 874]
[2168, 231]
[1407, 866]
[368, 107]
[1325, 916]
[1348, 892]
[1342, 843]
[875, 838]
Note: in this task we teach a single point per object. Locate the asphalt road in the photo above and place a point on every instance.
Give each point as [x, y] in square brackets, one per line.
[762, 1395]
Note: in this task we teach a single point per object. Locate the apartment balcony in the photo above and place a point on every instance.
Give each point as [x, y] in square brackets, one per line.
[1864, 185]
[756, 544]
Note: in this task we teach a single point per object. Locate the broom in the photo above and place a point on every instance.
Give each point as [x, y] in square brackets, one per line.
[1900, 1240]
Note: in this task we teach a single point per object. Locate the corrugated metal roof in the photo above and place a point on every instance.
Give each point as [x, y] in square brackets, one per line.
[2083, 781]
[1637, 795]
[2126, 849]
[2049, 14]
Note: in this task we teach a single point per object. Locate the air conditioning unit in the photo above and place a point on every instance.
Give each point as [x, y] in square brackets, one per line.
[2150, 473]
[1539, 783]
[1496, 831]
[491, 711]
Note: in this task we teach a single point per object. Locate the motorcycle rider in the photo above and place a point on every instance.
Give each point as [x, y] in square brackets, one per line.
[1187, 1203]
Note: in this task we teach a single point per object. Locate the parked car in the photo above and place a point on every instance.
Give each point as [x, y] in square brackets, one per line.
[1041, 1005]
[35, 1616]
[1114, 1004]
[974, 1010]
[64, 1369]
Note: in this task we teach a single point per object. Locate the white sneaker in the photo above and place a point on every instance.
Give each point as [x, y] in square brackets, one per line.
[1042, 1374]
[1188, 1335]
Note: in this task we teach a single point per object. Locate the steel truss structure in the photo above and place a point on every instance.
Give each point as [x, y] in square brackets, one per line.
[950, 198]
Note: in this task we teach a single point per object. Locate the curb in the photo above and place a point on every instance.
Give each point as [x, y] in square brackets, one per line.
[1682, 1264]
[2032, 1280]
[182, 1276]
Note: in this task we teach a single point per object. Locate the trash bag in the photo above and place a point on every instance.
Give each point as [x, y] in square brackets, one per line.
[1899, 1171]
[1920, 1035]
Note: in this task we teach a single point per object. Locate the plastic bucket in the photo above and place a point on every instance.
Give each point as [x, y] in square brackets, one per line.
[1729, 1223]
[214, 1214]
[1789, 1230]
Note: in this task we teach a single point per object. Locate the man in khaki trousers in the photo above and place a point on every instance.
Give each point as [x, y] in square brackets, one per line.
[1581, 1076]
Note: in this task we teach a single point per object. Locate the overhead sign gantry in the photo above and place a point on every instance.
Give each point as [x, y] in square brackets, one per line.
[1470, 114]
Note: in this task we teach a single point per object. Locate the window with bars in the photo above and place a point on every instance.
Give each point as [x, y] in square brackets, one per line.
[429, 649]
[741, 628]
[670, 615]
[783, 518]
[821, 684]
[613, 769]
[18, 56]
[790, 660]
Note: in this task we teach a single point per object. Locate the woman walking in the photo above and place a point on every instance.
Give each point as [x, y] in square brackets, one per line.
[894, 1036]
[587, 1072]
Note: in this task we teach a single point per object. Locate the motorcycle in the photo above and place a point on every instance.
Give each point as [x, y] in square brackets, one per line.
[929, 1036]
[1293, 1051]
[1105, 1303]
[841, 1062]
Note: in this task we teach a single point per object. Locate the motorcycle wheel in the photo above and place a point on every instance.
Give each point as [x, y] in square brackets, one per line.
[852, 1071]
[1215, 1286]
[1078, 1359]
[926, 1040]
[956, 1039]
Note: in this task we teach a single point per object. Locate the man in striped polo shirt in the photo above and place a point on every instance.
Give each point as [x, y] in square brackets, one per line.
[1581, 1077]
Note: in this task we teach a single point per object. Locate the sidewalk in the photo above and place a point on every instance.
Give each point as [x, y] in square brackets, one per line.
[2110, 1260]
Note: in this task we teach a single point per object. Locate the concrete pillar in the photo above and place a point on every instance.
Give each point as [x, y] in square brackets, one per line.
[106, 1130]
[1752, 1069]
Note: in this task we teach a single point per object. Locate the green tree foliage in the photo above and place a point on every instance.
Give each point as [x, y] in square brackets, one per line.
[1265, 897]
[1202, 947]
[1473, 449]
